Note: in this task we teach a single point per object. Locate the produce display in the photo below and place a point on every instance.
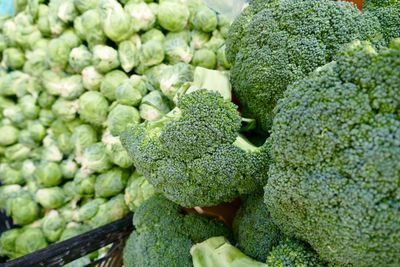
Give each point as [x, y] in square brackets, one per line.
[73, 76]
[172, 108]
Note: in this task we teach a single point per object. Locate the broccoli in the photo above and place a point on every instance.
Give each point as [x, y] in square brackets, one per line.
[196, 155]
[388, 13]
[368, 4]
[255, 232]
[293, 253]
[336, 153]
[218, 252]
[164, 235]
[273, 47]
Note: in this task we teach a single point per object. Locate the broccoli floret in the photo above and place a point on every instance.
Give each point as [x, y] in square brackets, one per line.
[195, 155]
[217, 251]
[293, 253]
[164, 235]
[368, 4]
[285, 43]
[255, 232]
[336, 154]
[388, 15]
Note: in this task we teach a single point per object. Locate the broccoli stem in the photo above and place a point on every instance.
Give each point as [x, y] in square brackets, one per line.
[244, 144]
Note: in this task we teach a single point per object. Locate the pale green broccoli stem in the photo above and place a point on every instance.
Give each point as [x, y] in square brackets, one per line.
[217, 251]
[244, 144]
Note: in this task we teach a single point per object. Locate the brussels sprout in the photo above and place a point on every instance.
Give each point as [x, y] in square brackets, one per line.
[199, 39]
[215, 43]
[28, 107]
[68, 168]
[46, 100]
[13, 58]
[25, 138]
[79, 58]
[48, 174]
[205, 19]
[37, 131]
[71, 87]
[7, 242]
[8, 135]
[174, 77]
[65, 110]
[30, 240]
[131, 91]
[69, 210]
[51, 153]
[142, 16]
[17, 152]
[153, 34]
[82, 137]
[117, 24]
[105, 58]
[137, 191]
[14, 114]
[9, 175]
[70, 191]
[43, 22]
[173, 16]
[53, 226]
[22, 208]
[6, 191]
[36, 62]
[84, 183]
[93, 108]
[221, 58]
[128, 54]
[91, 78]
[73, 229]
[205, 58]
[111, 82]
[27, 169]
[66, 11]
[89, 210]
[151, 53]
[58, 53]
[85, 5]
[52, 82]
[117, 153]
[154, 106]
[111, 183]
[112, 210]
[71, 38]
[3, 43]
[121, 117]
[177, 50]
[88, 26]
[50, 198]
[95, 159]
[64, 143]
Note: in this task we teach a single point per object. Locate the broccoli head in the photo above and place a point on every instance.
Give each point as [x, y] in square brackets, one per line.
[164, 235]
[273, 47]
[195, 155]
[293, 253]
[368, 4]
[336, 153]
[255, 232]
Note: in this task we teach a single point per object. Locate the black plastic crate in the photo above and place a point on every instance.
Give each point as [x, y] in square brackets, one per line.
[74, 248]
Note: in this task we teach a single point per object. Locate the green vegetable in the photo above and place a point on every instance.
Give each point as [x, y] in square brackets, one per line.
[93, 108]
[53, 226]
[8, 135]
[128, 54]
[122, 117]
[173, 15]
[111, 82]
[79, 58]
[105, 58]
[22, 208]
[217, 251]
[348, 159]
[91, 78]
[48, 174]
[131, 91]
[29, 240]
[205, 58]
[137, 191]
[95, 159]
[50, 198]
[111, 183]
[153, 106]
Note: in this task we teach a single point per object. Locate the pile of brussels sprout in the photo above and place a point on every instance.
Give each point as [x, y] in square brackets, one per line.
[73, 75]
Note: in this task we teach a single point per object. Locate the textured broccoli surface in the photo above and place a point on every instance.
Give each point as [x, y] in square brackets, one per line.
[388, 14]
[195, 155]
[271, 48]
[367, 4]
[255, 232]
[164, 235]
[293, 253]
[336, 153]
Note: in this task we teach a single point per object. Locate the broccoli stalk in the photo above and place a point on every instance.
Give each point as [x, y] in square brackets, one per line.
[218, 252]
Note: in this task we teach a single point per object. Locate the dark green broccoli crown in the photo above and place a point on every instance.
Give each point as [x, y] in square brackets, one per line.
[389, 18]
[192, 154]
[293, 253]
[369, 4]
[285, 43]
[164, 235]
[254, 229]
[335, 144]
